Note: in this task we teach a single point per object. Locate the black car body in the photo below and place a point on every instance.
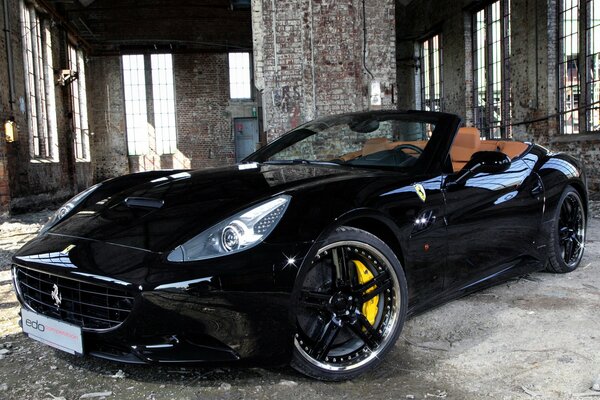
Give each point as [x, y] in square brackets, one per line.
[110, 253]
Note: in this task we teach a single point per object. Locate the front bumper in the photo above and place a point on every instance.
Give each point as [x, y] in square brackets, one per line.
[233, 311]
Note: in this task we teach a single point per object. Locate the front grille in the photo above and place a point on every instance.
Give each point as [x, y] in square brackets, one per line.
[83, 304]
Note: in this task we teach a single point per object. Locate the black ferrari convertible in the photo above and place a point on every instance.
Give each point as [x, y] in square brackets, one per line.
[313, 251]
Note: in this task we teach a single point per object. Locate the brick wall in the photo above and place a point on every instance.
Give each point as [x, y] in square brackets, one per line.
[533, 65]
[204, 134]
[204, 115]
[107, 117]
[309, 58]
[26, 183]
[421, 19]
[4, 113]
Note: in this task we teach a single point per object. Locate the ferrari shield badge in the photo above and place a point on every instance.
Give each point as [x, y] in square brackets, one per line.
[420, 191]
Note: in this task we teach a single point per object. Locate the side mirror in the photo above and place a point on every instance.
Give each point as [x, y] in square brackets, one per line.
[488, 162]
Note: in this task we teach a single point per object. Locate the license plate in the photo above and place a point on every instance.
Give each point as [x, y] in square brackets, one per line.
[58, 334]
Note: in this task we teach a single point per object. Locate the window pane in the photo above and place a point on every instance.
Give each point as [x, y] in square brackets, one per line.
[491, 59]
[593, 66]
[163, 93]
[568, 66]
[431, 74]
[135, 104]
[239, 75]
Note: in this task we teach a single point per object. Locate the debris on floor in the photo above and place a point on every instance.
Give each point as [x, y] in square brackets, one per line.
[94, 395]
[485, 346]
[596, 384]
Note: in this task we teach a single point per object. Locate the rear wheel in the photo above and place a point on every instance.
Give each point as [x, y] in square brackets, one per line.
[351, 306]
[567, 237]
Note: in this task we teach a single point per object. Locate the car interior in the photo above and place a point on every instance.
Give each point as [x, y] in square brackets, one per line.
[467, 141]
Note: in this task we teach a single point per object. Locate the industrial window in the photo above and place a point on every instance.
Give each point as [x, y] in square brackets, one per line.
[39, 85]
[163, 96]
[491, 66]
[239, 76]
[579, 88]
[151, 125]
[431, 74]
[593, 65]
[81, 137]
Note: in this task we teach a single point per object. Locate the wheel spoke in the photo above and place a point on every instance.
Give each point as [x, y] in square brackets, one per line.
[568, 250]
[573, 215]
[568, 208]
[564, 234]
[365, 331]
[376, 291]
[341, 275]
[376, 281]
[314, 300]
[326, 338]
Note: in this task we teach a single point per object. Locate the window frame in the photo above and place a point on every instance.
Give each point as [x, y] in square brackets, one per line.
[491, 127]
[39, 84]
[141, 140]
[250, 77]
[78, 99]
[585, 82]
[426, 44]
[165, 135]
[591, 82]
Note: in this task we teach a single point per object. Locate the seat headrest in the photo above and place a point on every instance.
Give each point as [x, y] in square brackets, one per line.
[374, 145]
[467, 137]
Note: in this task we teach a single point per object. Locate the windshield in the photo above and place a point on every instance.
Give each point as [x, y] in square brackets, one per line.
[365, 139]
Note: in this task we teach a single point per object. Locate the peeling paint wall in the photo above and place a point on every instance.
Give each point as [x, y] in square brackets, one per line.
[533, 69]
[308, 58]
[27, 183]
[204, 115]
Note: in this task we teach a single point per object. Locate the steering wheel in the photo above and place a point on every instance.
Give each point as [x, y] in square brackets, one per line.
[412, 147]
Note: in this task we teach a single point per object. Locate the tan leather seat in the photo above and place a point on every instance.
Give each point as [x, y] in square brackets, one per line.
[375, 145]
[511, 148]
[466, 142]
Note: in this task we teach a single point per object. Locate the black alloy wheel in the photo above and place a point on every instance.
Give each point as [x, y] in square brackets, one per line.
[568, 233]
[351, 306]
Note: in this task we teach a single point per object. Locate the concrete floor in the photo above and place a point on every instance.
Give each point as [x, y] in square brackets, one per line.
[535, 337]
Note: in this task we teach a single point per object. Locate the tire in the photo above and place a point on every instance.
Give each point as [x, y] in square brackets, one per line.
[567, 237]
[350, 307]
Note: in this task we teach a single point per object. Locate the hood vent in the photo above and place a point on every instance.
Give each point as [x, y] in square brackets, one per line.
[144, 202]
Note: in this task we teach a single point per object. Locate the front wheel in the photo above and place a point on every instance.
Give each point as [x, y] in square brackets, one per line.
[351, 306]
[567, 237]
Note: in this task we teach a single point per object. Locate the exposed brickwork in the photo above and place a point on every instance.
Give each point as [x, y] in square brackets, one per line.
[204, 126]
[436, 16]
[28, 183]
[4, 113]
[107, 117]
[309, 57]
[533, 65]
[204, 116]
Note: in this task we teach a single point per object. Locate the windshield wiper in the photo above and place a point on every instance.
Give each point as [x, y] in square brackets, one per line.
[300, 161]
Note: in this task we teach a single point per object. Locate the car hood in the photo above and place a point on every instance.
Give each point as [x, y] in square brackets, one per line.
[171, 209]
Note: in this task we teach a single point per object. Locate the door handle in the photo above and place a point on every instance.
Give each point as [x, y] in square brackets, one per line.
[538, 188]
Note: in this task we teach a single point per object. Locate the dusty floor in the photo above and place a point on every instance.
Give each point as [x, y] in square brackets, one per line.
[536, 337]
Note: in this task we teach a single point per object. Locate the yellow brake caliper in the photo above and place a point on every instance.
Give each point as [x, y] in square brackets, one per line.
[369, 308]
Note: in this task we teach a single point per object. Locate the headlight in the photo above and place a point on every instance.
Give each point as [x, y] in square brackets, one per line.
[66, 208]
[237, 233]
